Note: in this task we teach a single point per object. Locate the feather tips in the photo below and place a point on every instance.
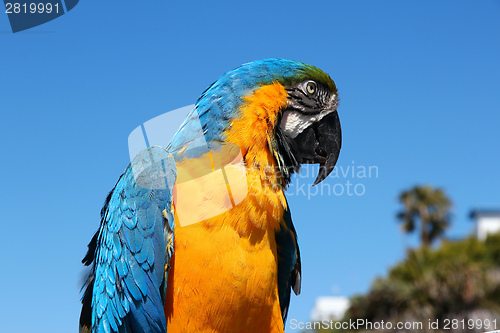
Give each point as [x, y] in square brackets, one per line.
[289, 270]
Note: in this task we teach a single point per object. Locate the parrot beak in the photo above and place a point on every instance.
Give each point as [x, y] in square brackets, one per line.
[320, 143]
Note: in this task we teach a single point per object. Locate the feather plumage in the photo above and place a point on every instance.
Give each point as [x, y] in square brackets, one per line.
[231, 272]
[128, 254]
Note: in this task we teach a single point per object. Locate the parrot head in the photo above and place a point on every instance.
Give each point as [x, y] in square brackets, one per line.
[308, 130]
[281, 113]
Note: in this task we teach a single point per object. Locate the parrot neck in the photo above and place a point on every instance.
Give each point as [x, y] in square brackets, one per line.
[253, 132]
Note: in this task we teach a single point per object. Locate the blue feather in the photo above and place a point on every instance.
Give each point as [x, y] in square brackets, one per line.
[121, 267]
[130, 250]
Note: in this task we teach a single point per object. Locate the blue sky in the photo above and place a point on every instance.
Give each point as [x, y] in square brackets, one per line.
[419, 86]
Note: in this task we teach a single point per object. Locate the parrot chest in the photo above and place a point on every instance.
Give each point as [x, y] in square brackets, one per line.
[224, 272]
[222, 281]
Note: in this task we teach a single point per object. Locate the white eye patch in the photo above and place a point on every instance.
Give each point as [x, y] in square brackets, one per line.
[293, 123]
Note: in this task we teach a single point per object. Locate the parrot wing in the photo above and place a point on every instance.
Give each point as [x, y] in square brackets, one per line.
[132, 249]
[289, 270]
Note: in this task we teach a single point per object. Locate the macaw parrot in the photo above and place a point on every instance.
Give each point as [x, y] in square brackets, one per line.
[167, 257]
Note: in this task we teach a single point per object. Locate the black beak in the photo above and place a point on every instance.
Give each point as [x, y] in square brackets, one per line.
[320, 143]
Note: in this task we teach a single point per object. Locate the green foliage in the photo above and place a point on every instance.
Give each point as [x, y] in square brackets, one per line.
[427, 207]
[458, 281]
[453, 281]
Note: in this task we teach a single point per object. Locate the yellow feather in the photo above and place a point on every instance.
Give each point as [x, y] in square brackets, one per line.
[223, 277]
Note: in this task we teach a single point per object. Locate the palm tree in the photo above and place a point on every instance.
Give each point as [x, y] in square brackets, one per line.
[429, 208]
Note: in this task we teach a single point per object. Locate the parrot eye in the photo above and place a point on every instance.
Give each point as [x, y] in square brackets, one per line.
[311, 87]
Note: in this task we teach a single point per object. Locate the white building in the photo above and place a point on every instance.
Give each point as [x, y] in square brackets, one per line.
[331, 307]
[487, 222]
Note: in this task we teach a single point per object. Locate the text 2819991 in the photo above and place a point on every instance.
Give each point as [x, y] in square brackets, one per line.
[31, 8]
